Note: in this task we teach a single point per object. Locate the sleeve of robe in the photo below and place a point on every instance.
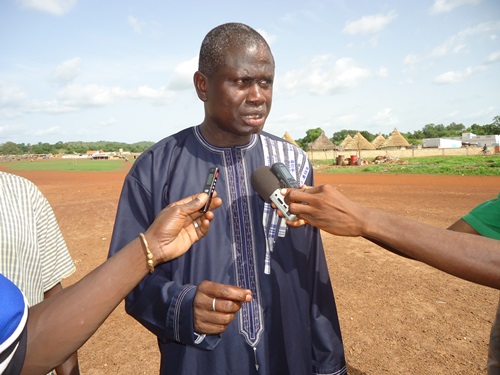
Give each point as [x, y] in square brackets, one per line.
[161, 305]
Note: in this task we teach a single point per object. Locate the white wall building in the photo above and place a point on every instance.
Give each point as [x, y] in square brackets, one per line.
[465, 139]
[441, 143]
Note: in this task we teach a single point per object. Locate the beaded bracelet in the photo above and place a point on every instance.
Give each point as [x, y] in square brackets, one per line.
[149, 255]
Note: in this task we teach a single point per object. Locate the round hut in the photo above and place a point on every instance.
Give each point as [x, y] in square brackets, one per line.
[395, 141]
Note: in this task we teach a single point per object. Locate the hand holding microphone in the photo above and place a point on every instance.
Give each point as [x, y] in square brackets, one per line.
[326, 208]
[323, 207]
[265, 182]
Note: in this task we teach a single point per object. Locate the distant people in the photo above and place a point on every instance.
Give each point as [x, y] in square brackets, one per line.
[33, 253]
[36, 342]
[291, 325]
[485, 149]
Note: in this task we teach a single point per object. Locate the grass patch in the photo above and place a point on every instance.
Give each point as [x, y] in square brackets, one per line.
[67, 165]
[443, 165]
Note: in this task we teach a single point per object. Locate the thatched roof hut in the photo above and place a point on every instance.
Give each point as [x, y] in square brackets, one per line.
[288, 138]
[322, 143]
[395, 140]
[346, 141]
[359, 142]
[378, 141]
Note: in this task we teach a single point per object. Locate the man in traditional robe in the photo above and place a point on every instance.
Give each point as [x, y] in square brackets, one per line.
[290, 326]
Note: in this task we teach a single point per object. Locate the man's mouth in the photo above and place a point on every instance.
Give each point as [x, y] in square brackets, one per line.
[254, 119]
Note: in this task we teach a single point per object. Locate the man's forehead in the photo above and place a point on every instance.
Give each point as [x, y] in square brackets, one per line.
[254, 69]
[253, 55]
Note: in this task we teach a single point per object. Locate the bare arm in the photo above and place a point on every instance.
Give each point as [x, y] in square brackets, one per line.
[61, 324]
[467, 256]
[70, 366]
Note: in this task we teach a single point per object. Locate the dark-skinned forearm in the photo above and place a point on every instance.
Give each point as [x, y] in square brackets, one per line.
[66, 320]
[467, 256]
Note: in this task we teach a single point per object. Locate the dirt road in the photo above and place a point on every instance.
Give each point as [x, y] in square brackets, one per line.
[397, 316]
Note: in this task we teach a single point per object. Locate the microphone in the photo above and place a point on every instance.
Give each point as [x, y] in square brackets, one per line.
[267, 185]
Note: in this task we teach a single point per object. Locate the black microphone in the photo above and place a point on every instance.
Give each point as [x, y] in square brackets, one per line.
[267, 185]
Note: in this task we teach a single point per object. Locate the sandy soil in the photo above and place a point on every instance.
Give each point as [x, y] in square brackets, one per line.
[398, 316]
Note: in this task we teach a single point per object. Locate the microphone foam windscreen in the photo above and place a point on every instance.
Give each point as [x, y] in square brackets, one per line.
[265, 182]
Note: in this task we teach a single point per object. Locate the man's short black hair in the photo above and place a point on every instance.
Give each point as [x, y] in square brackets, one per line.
[219, 40]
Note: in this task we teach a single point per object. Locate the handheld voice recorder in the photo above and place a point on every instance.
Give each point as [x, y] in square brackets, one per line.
[284, 176]
[213, 174]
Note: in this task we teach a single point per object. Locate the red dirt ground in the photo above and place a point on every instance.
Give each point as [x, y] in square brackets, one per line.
[398, 316]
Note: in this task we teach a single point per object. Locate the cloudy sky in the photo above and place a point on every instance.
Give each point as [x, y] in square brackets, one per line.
[121, 70]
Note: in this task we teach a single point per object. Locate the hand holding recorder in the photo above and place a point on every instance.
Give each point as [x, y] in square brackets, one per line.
[59, 325]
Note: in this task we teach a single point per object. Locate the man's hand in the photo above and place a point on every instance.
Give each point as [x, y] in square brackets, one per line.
[226, 299]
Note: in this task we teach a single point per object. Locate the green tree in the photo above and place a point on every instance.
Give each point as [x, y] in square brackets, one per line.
[311, 136]
[455, 129]
[369, 136]
[478, 129]
[339, 136]
[9, 148]
[494, 127]
[41, 148]
[434, 131]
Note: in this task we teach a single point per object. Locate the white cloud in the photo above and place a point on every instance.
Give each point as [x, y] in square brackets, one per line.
[50, 107]
[155, 96]
[446, 6]
[7, 130]
[55, 7]
[457, 76]
[291, 117]
[270, 39]
[67, 71]
[77, 96]
[136, 24]
[449, 77]
[182, 77]
[89, 95]
[383, 72]
[370, 24]
[345, 120]
[74, 97]
[108, 122]
[323, 75]
[457, 43]
[493, 57]
[47, 131]
[11, 96]
[386, 117]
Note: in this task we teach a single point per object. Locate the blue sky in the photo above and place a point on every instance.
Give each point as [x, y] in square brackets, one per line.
[121, 70]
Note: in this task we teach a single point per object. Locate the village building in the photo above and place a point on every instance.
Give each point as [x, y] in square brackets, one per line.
[378, 141]
[395, 141]
[467, 139]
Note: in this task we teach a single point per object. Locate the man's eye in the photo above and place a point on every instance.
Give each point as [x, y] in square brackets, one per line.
[265, 83]
[244, 81]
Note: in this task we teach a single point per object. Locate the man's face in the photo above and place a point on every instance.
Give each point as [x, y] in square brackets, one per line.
[239, 95]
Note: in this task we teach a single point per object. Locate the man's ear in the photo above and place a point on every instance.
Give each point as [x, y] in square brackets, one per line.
[200, 84]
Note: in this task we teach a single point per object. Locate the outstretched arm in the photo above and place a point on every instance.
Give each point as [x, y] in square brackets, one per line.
[61, 324]
[464, 255]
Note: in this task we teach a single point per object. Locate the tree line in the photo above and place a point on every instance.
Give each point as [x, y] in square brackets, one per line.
[11, 148]
[415, 137]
